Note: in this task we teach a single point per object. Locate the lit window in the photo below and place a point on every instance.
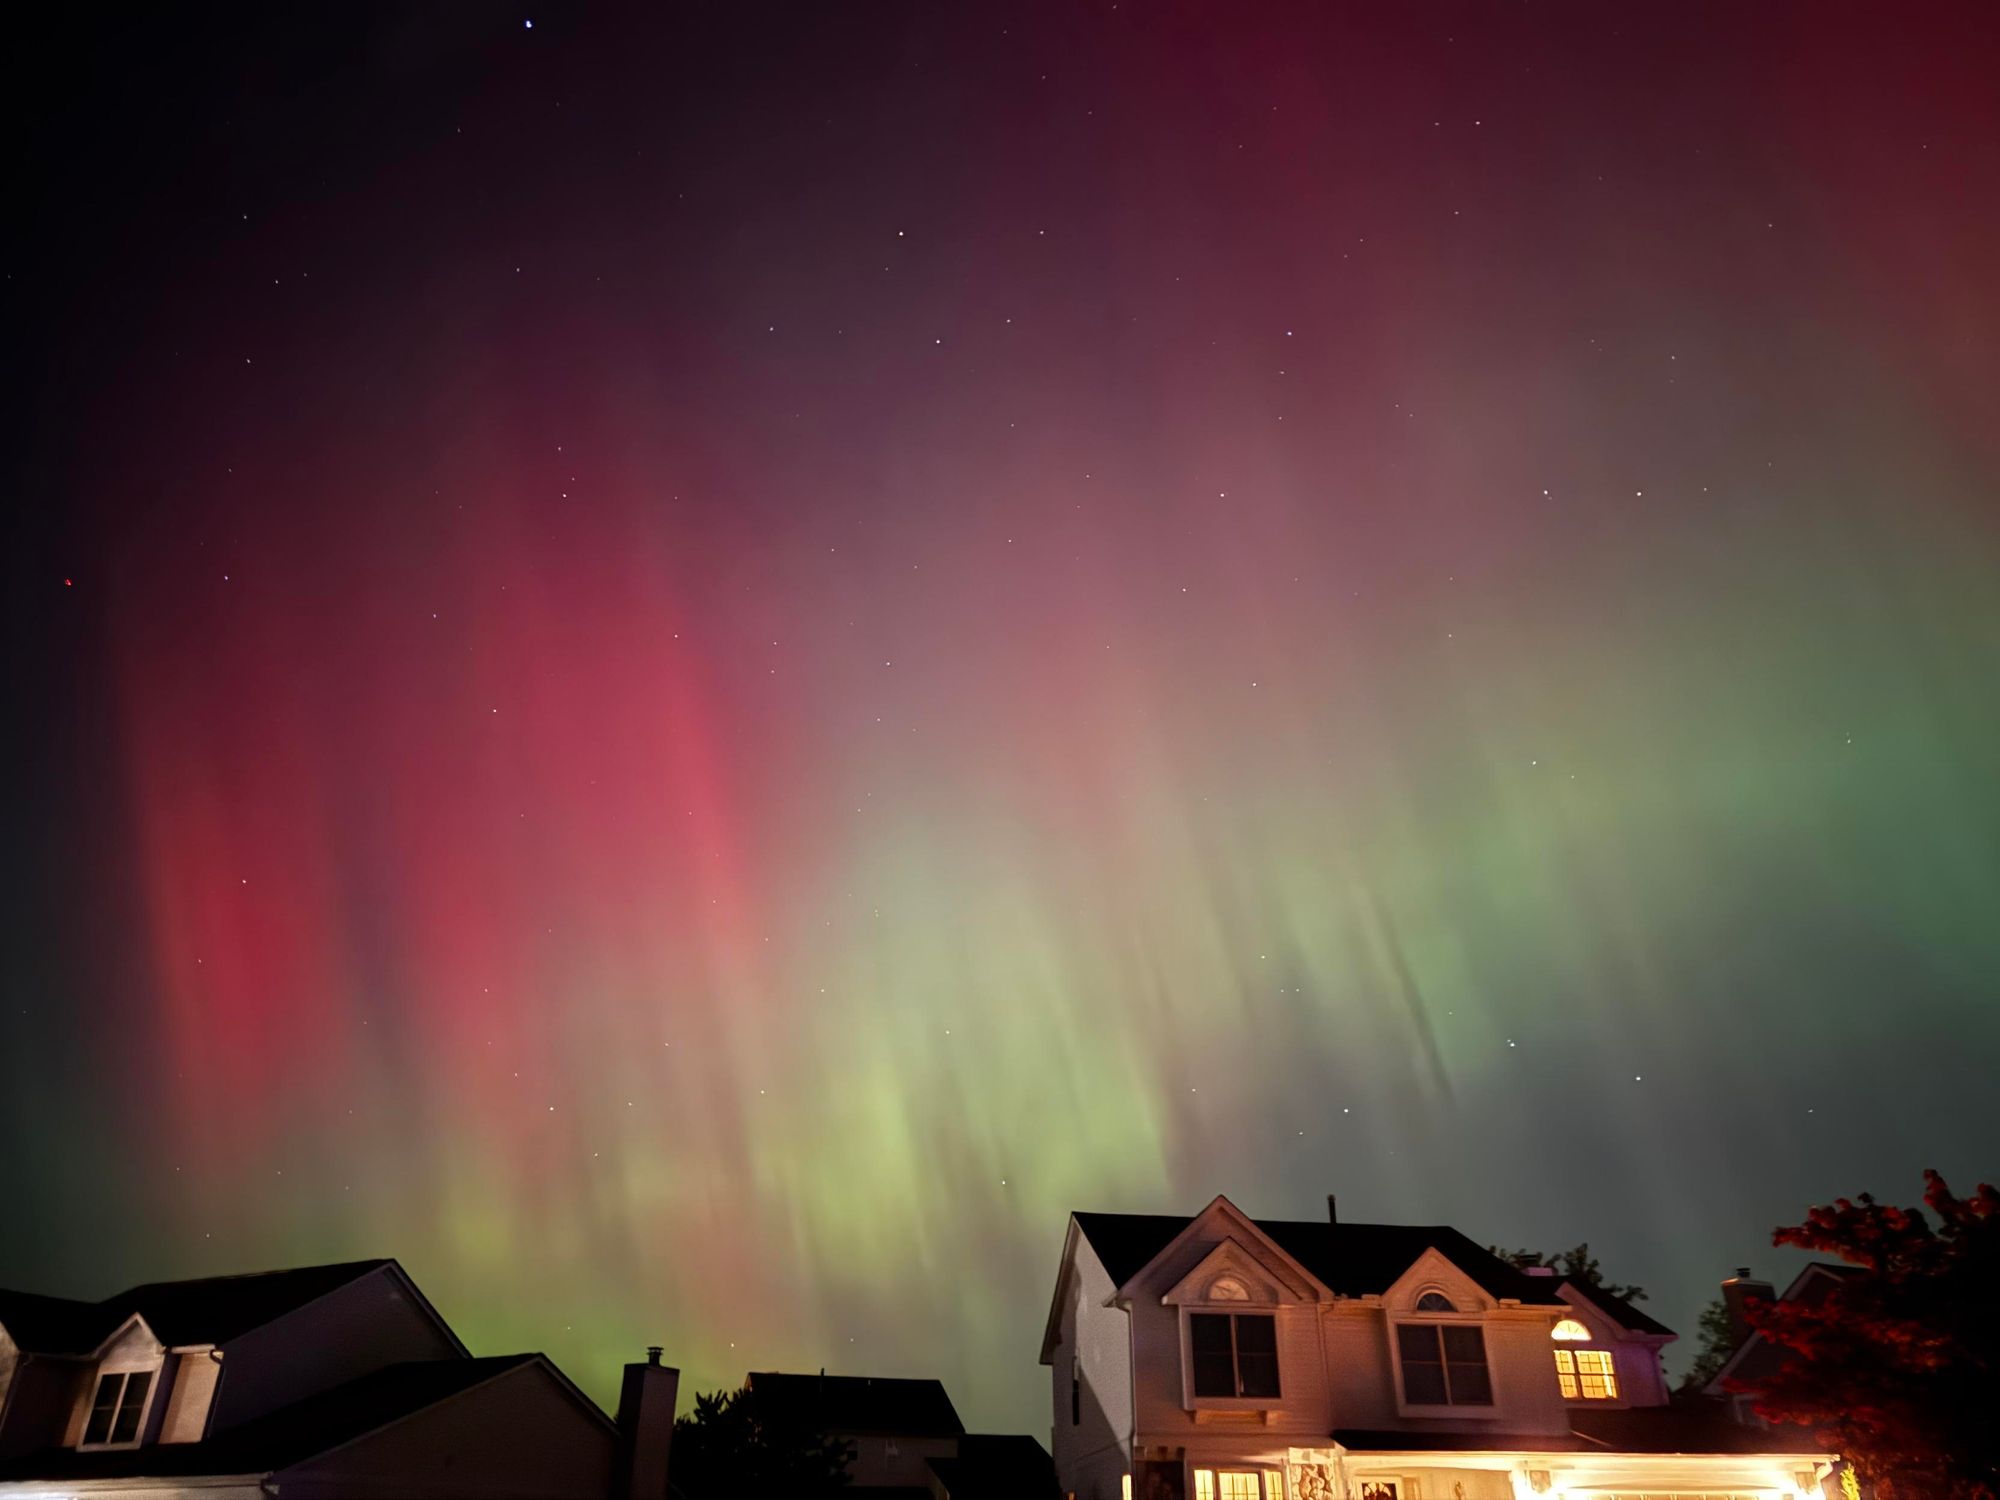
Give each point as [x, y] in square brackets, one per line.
[1570, 1331]
[116, 1408]
[1586, 1374]
[1443, 1364]
[1233, 1354]
[1238, 1484]
[1435, 1302]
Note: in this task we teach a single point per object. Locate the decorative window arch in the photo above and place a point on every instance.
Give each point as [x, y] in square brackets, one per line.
[1569, 1331]
[1228, 1289]
[1434, 1301]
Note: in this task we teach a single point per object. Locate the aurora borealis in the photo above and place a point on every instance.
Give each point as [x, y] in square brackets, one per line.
[697, 669]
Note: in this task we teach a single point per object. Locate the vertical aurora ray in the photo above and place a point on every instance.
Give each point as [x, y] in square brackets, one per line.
[919, 667]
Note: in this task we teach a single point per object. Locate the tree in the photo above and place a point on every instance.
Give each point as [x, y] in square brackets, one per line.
[1578, 1264]
[735, 1445]
[1718, 1342]
[1895, 1367]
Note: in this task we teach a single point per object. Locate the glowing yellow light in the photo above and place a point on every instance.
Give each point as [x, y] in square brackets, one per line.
[1570, 1331]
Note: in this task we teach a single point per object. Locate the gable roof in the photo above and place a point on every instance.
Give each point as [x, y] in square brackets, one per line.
[215, 1309]
[203, 1310]
[859, 1404]
[286, 1437]
[1618, 1309]
[1353, 1260]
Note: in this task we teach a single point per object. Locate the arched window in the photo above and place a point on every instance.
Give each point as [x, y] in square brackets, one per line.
[1227, 1289]
[1569, 1331]
[1435, 1302]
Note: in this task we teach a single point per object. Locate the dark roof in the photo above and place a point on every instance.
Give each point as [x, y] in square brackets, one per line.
[207, 1310]
[1669, 1429]
[859, 1404]
[285, 1437]
[1619, 1309]
[55, 1325]
[212, 1309]
[1353, 1260]
[997, 1467]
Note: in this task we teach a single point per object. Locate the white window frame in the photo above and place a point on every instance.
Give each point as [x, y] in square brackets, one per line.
[1262, 1473]
[1189, 1400]
[122, 1373]
[1408, 1408]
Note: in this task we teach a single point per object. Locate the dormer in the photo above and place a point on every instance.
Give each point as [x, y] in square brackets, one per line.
[1436, 1320]
[1233, 1305]
[118, 1404]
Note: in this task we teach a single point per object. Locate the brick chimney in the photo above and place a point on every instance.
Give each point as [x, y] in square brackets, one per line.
[646, 1427]
[1332, 1210]
[1737, 1290]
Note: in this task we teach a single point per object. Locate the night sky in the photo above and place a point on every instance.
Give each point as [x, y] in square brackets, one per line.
[697, 666]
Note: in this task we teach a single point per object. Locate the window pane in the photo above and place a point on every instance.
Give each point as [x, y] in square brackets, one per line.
[1214, 1368]
[1599, 1383]
[126, 1427]
[1464, 1345]
[1238, 1486]
[1566, 1374]
[1465, 1364]
[102, 1408]
[1256, 1355]
[1423, 1367]
[1435, 1302]
[1274, 1484]
[1204, 1484]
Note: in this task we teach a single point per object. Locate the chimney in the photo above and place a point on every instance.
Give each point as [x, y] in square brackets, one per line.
[646, 1427]
[1332, 1209]
[1737, 1290]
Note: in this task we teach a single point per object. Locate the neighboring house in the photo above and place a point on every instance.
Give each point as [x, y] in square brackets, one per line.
[907, 1438]
[990, 1467]
[322, 1381]
[1216, 1357]
[1755, 1359]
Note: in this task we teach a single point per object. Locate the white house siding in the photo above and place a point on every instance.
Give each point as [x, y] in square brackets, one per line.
[520, 1436]
[1092, 1454]
[370, 1322]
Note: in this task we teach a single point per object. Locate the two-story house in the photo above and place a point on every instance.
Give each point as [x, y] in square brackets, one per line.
[1217, 1357]
[326, 1381]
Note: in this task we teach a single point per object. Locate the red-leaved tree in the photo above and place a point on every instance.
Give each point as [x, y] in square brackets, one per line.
[1897, 1368]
